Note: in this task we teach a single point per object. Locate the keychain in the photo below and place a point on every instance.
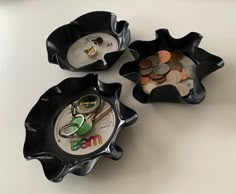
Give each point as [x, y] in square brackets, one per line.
[85, 113]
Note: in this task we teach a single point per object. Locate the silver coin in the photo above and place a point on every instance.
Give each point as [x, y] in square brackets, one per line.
[161, 69]
[145, 71]
[153, 59]
[183, 89]
[174, 76]
[186, 61]
[189, 83]
[148, 87]
[191, 71]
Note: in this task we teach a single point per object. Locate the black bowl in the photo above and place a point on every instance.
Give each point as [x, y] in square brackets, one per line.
[205, 62]
[63, 38]
[41, 138]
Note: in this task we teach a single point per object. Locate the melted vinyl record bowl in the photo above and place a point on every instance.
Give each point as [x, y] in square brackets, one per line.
[92, 42]
[74, 102]
[204, 62]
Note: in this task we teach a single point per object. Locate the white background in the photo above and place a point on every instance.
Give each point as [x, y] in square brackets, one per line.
[172, 149]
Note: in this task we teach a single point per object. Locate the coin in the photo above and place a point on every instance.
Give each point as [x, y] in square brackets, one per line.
[176, 56]
[168, 83]
[183, 89]
[144, 79]
[174, 76]
[153, 59]
[145, 64]
[161, 69]
[186, 61]
[175, 65]
[163, 56]
[155, 76]
[183, 74]
[190, 71]
[189, 83]
[146, 71]
[149, 86]
[162, 80]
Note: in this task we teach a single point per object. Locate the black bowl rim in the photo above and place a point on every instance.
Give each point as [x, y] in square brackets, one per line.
[119, 29]
[192, 40]
[57, 163]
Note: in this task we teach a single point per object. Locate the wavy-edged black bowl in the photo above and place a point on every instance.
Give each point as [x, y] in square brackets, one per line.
[206, 63]
[60, 40]
[40, 142]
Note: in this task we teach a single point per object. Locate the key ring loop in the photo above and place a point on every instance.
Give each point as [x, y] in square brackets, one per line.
[62, 132]
[85, 102]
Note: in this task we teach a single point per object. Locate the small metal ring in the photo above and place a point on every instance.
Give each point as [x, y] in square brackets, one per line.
[91, 52]
[68, 135]
[97, 104]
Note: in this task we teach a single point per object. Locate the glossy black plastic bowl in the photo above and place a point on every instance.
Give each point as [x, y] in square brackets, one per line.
[206, 63]
[60, 40]
[40, 142]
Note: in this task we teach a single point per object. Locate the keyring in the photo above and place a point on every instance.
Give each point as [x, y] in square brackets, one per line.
[69, 135]
[88, 103]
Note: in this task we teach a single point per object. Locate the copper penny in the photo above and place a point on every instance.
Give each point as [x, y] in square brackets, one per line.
[184, 75]
[155, 76]
[144, 79]
[145, 72]
[163, 56]
[145, 64]
[175, 65]
[176, 55]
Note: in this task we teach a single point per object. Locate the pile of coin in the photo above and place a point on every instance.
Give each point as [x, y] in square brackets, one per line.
[167, 68]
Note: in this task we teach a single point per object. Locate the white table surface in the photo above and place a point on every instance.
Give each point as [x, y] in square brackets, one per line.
[172, 148]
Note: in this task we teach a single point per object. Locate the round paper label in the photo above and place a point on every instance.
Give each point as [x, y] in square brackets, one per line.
[91, 48]
[93, 129]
